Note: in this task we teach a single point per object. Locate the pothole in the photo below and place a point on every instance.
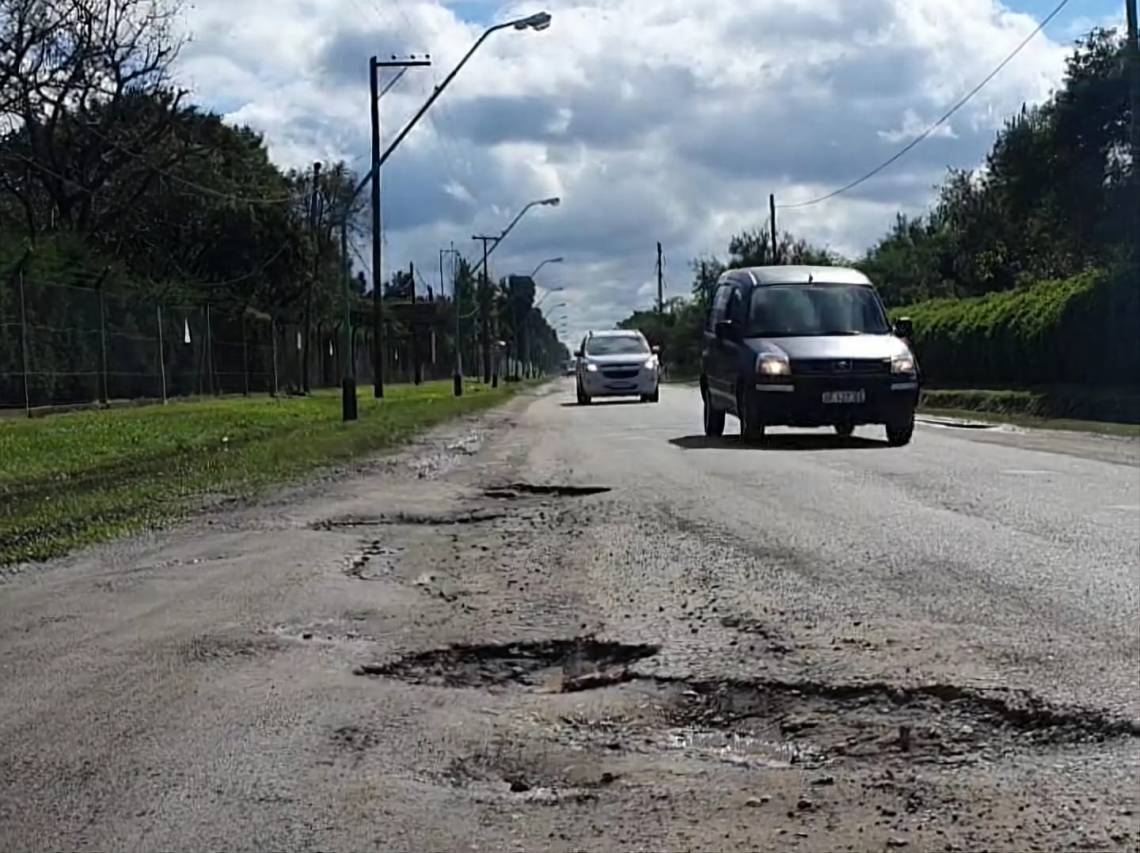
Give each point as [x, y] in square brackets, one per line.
[552, 666]
[956, 424]
[409, 519]
[518, 490]
[813, 725]
[374, 562]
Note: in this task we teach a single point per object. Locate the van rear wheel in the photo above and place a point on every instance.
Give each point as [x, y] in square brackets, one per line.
[845, 430]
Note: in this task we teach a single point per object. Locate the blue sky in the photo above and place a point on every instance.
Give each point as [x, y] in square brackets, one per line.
[1075, 18]
[635, 114]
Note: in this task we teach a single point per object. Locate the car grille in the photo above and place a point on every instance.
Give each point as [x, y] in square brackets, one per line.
[842, 367]
[624, 373]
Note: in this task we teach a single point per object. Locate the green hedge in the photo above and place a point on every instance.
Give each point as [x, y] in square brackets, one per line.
[1054, 402]
[1083, 330]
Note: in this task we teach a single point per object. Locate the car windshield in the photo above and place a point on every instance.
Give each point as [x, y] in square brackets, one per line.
[623, 345]
[817, 309]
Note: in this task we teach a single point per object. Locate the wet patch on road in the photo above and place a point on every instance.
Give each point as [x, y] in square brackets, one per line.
[514, 491]
[549, 666]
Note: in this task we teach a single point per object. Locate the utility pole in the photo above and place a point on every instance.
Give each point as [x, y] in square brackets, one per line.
[374, 65]
[660, 281]
[1133, 50]
[377, 296]
[348, 382]
[457, 375]
[313, 202]
[417, 367]
[775, 244]
[485, 309]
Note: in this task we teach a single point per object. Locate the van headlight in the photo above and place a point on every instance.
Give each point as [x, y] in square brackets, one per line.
[903, 365]
[773, 364]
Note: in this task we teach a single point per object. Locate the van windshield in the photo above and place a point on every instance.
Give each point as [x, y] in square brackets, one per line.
[815, 310]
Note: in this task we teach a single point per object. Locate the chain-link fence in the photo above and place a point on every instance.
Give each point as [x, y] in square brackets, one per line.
[62, 345]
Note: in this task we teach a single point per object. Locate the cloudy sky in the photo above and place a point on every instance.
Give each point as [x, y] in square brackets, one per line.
[664, 120]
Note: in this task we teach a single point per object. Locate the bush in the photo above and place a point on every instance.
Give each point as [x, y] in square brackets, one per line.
[1080, 330]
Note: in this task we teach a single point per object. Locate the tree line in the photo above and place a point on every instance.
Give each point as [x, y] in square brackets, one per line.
[1057, 198]
[109, 175]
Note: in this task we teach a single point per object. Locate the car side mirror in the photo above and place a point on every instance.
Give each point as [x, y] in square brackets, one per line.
[725, 330]
[577, 353]
[904, 327]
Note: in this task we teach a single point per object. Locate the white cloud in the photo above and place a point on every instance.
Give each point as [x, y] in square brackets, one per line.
[665, 120]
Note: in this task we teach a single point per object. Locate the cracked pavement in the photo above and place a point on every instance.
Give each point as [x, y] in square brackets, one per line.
[556, 627]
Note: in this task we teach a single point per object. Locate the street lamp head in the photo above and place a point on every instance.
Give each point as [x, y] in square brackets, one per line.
[539, 22]
[551, 202]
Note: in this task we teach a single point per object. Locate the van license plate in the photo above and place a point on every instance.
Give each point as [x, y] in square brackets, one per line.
[848, 397]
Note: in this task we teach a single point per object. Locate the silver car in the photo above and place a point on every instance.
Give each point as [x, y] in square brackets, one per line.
[618, 363]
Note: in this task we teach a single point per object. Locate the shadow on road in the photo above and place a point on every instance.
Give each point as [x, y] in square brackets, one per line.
[601, 404]
[788, 441]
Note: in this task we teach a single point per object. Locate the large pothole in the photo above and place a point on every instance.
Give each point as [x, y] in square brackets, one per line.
[409, 519]
[774, 724]
[551, 665]
[514, 491]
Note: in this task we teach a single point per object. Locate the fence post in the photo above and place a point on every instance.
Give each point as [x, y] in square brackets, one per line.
[244, 355]
[104, 393]
[24, 340]
[209, 354]
[161, 352]
[273, 391]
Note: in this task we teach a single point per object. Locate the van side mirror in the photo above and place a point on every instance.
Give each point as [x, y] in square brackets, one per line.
[725, 330]
[904, 327]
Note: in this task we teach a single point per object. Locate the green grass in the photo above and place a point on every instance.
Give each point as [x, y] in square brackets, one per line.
[74, 479]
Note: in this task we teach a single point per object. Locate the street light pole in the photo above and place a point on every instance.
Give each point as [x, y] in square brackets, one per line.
[537, 22]
[545, 202]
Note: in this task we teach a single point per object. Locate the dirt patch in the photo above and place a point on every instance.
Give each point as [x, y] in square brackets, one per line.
[551, 665]
[409, 519]
[519, 490]
[213, 647]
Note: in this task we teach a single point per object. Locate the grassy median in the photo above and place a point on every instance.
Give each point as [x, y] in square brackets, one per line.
[73, 479]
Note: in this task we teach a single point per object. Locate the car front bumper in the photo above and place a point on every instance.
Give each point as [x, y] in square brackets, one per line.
[800, 401]
[643, 382]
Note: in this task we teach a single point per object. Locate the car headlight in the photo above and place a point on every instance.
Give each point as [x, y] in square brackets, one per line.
[903, 365]
[650, 363]
[591, 368]
[771, 364]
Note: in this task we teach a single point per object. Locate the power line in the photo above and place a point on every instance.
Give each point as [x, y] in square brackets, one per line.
[914, 143]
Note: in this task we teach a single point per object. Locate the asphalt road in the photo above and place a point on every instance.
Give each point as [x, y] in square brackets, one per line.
[816, 644]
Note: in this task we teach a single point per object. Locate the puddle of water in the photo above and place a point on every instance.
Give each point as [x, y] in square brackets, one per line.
[739, 748]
